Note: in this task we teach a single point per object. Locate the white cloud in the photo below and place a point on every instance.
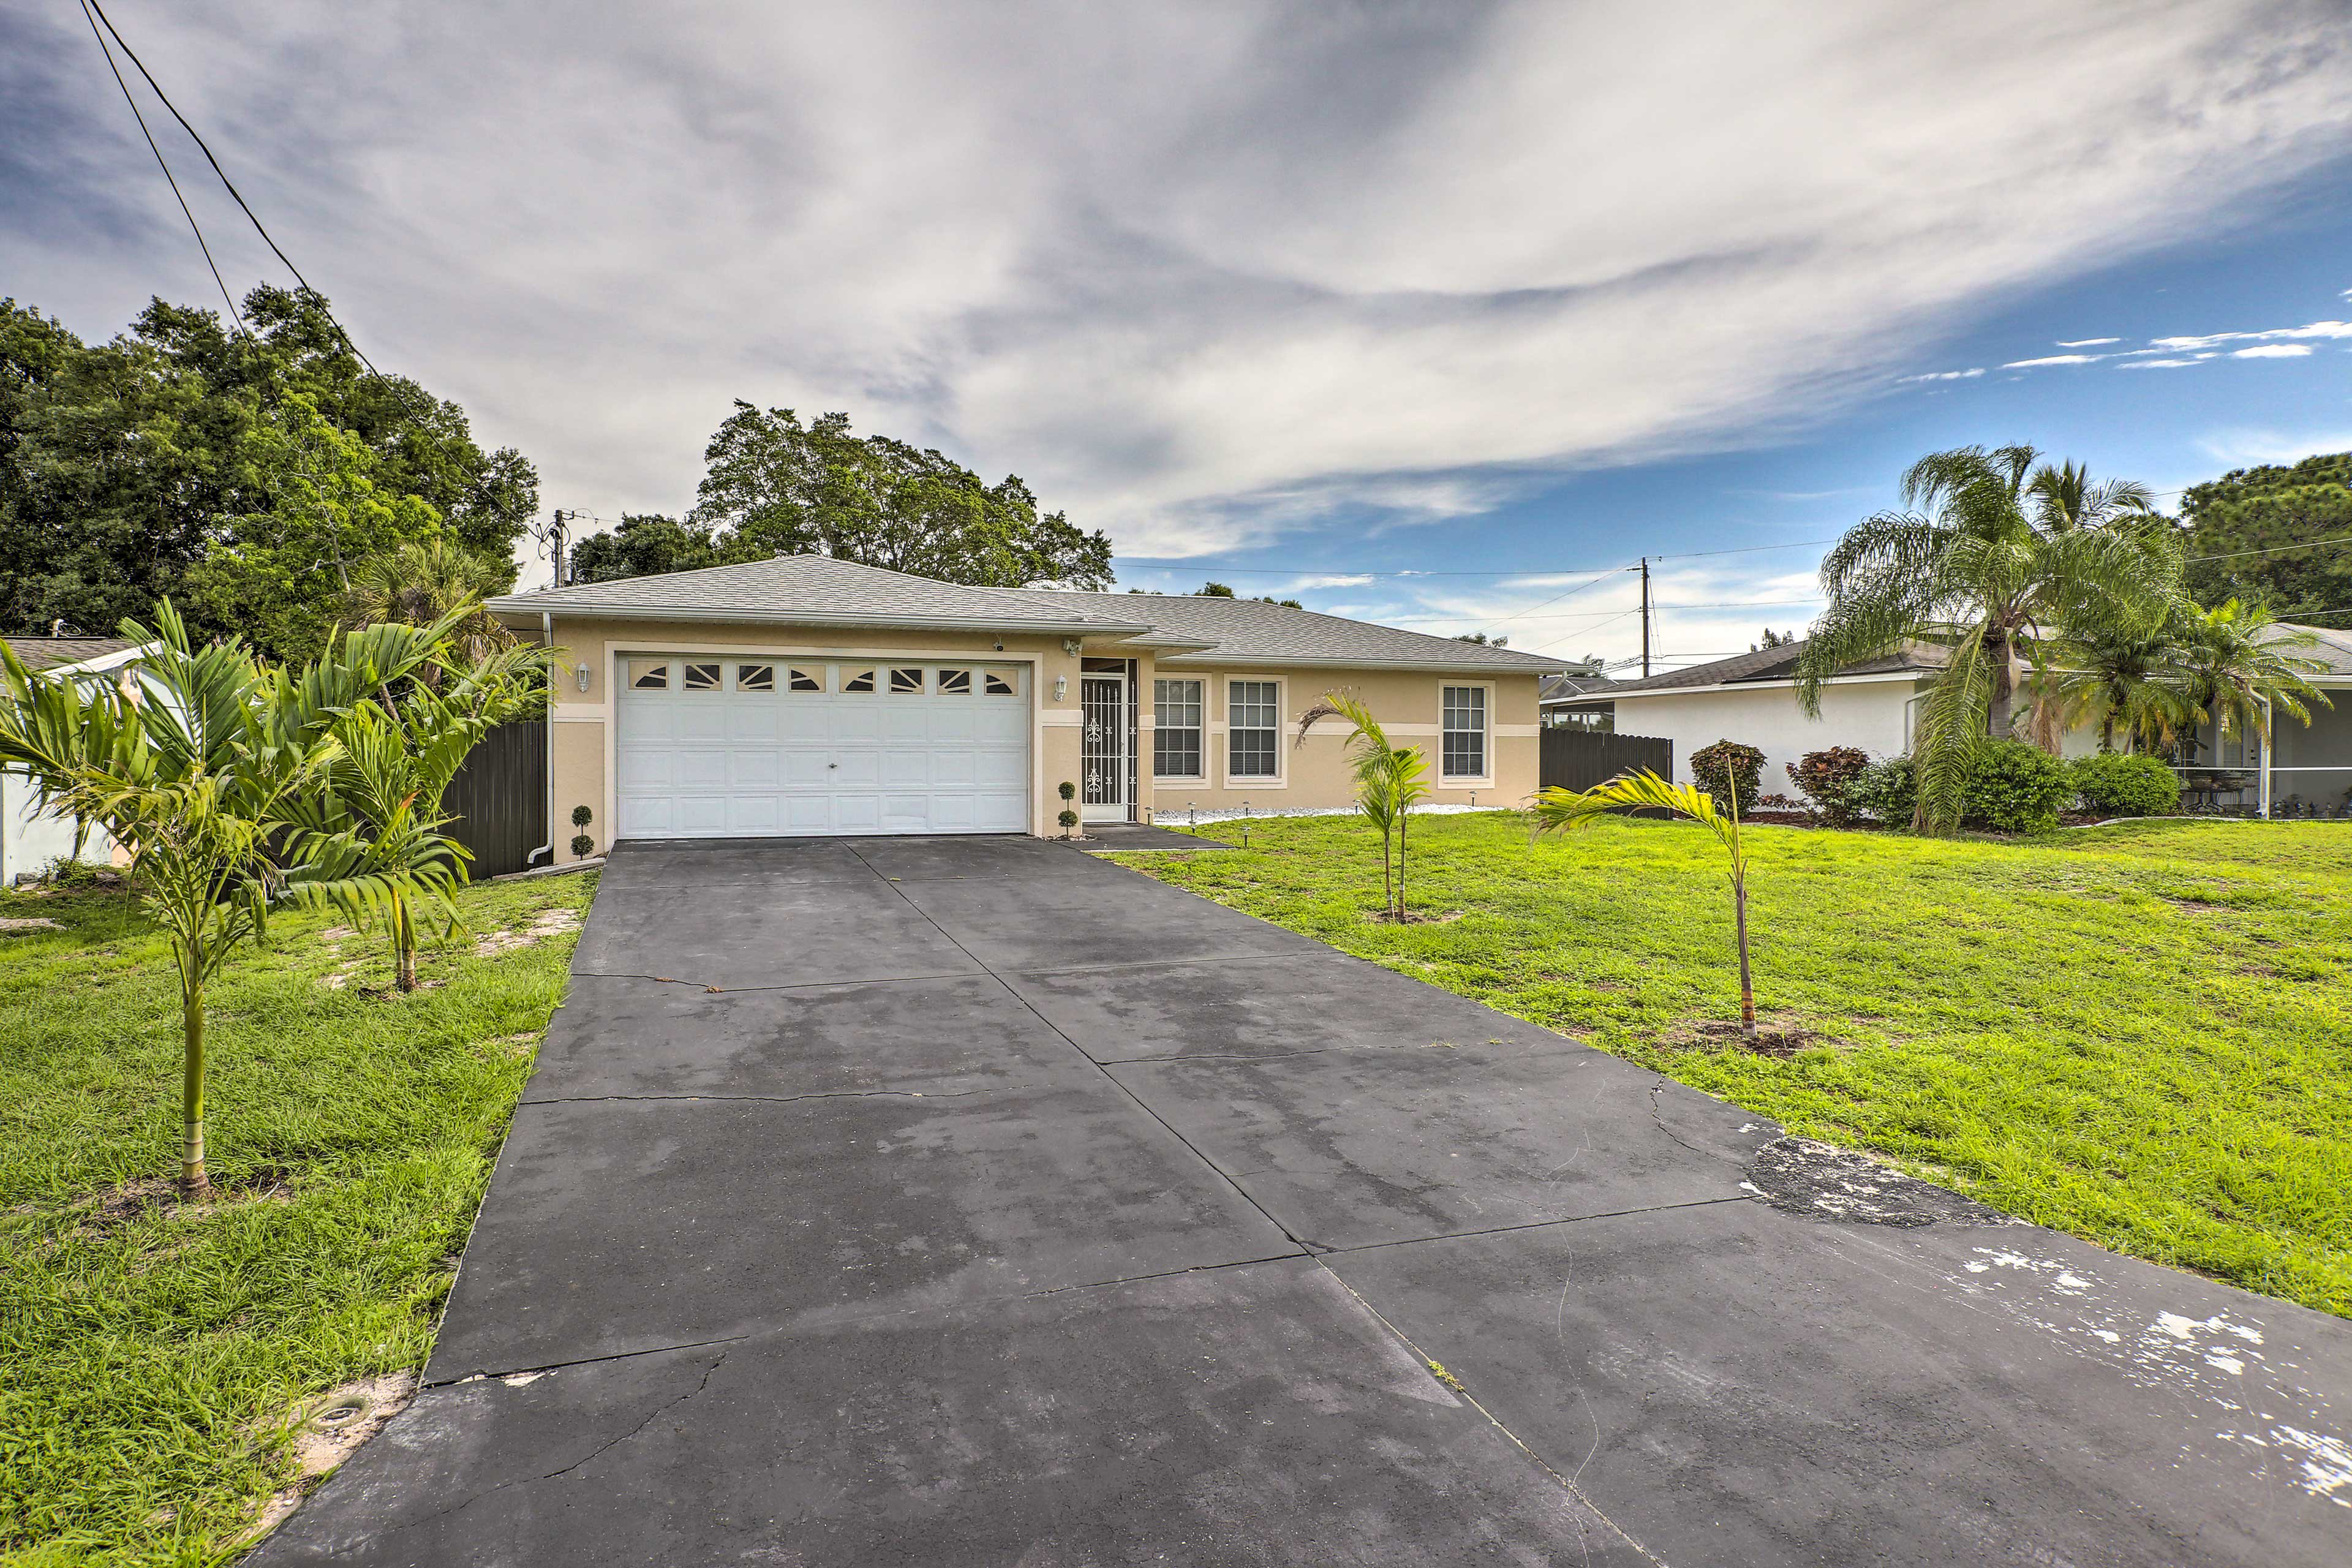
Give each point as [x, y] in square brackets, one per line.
[1202, 274]
[2156, 363]
[2273, 351]
[2239, 448]
[2315, 329]
[2089, 342]
[2054, 358]
[1948, 374]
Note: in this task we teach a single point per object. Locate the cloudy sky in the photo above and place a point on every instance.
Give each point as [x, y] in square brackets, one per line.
[1440, 314]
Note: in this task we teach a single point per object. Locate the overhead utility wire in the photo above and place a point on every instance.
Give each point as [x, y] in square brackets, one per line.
[135, 114]
[92, 6]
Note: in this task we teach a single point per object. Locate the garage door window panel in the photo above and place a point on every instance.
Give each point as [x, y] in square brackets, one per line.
[755, 677]
[955, 683]
[807, 679]
[859, 683]
[702, 677]
[1001, 686]
[648, 675]
[906, 682]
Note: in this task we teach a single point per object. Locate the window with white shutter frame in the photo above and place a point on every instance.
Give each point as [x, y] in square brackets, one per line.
[1464, 743]
[1253, 729]
[1176, 730]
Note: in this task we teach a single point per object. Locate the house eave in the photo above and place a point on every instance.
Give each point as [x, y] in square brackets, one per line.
[523, 609]
[1215, 660]
[1887, 677]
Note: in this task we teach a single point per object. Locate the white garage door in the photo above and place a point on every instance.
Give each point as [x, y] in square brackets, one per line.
[741, 747]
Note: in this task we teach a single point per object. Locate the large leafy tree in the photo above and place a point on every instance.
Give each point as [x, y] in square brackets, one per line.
[1993, 554]
[2243, 524]
[125, 464]
[646, 545]
[777, 486]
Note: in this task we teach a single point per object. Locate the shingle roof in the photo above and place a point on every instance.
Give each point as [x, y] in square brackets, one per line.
[2333, 649]
[807, 588]
[49, 653]
[815, 589]
[1253, 631]
[1578, 688]
[1770, 664]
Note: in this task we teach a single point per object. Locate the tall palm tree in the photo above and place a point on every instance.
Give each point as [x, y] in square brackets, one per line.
[422, 582]
[1991, 555]
[201, 763]
[2129, 682]
[2239, 663]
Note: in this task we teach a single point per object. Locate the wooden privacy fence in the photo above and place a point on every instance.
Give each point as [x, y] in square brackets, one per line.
[1578, 759]
[500, 798]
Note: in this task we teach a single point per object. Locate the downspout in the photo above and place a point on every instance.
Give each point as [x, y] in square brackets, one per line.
[547, 636]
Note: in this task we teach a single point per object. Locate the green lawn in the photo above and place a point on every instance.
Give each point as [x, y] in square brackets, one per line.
[2141, 1033]
[150, 1357]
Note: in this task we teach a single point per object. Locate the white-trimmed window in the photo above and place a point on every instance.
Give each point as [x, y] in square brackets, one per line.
[1463, 749]
[1253, 729]
[1176, 730]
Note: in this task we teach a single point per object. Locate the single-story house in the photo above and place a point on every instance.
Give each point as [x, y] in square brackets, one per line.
[1874, 706]
[1578, 699]
[804, 695]
[33, 837]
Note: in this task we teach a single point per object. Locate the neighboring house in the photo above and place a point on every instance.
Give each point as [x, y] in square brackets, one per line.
[1874, 706]
[1578, 700]
[804, 695]
[32, 838]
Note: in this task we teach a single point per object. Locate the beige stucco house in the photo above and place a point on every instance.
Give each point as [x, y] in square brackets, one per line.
[807, 696]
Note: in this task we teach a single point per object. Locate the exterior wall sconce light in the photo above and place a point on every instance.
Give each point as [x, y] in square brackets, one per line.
[581, 675]
[1061, 687]
[1070, 646]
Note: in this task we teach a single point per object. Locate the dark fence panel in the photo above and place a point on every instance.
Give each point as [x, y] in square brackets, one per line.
[500, 798]
[1578, 759]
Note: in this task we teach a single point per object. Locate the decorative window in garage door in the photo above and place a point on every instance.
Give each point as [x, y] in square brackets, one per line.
[1001, 685]
[755, 677]
[907, 680]
[649, 675]
[859, 680]
[955, 683]
[807, 679]
[702, 677]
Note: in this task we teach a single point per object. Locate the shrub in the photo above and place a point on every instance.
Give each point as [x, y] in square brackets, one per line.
[1828, 779]
[583, 846]
[1717, 767]
[1887, 791]
[2115, 784]
[2015, 788]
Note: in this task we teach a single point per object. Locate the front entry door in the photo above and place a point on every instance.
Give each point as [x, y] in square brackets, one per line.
[1102, 795]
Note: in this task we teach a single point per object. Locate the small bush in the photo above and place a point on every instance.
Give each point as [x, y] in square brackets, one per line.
[2015, 788]
[1887, 791]
[1718, 767]
[583, 846]
[1828, 779]
[2113, 784]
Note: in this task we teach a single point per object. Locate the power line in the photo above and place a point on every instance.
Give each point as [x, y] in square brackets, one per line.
[92, 6]
[87, 6]
[2275, 549]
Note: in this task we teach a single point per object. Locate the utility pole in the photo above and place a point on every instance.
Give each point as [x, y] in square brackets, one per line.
[550, 543]
[1645, 616]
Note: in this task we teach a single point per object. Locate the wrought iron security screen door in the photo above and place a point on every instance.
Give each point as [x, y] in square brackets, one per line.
[1102, 792]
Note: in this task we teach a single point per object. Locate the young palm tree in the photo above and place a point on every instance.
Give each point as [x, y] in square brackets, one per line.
[1556, 809]
[1994, 555]
[200, 764]
[374, 838]
[2239, 664]
[1389, 783]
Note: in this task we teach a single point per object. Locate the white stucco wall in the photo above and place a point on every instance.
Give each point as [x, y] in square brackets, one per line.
[31, 839]
[1864, 714]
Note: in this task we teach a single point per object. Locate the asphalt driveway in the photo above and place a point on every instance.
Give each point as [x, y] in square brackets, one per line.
[973, 1201]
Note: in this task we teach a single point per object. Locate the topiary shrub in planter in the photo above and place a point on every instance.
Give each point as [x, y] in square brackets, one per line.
[1828, 779]
[2015, 788]
[1724, 765]
[1887, 791]
[2116, 785]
